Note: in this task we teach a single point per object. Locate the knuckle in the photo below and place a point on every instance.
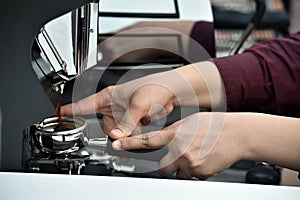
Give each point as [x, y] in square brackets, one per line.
[144, 140]
[126, 127]
[170, 135]
[138, 105]
[189, 158]
[167, 134]
[125, 143]
[109, 89]
[97, 106]
[77, 108]
[207, 173]
[204, 171]
[164, 172]
[198, 167]
[169, 108]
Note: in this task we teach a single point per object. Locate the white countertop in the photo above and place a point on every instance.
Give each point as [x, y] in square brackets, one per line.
[18, 186]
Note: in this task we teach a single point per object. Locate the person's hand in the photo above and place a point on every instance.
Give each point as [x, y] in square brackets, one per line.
[199, 146]
[204, 144]
[127, 106]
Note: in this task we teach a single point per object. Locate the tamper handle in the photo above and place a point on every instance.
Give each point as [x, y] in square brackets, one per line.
[141, 154]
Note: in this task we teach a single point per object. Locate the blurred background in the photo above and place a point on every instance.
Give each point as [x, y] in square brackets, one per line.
[231, 17]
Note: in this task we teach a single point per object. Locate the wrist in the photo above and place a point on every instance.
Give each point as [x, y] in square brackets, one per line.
[235, 136]
[239, 124]
[195, 85]
[206, 83]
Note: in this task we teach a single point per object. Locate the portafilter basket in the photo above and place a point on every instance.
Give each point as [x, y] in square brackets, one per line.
[53, 141]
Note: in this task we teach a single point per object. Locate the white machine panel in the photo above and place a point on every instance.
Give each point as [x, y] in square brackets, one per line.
[194, 10]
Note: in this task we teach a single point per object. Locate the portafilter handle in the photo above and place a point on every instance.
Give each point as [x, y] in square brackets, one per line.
[104, 146]
[143, 154]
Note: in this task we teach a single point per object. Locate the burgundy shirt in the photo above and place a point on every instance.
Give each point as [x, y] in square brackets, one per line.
[264, 78]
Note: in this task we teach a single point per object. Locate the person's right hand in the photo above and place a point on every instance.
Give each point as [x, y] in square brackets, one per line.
[200, 145]
[204, 144]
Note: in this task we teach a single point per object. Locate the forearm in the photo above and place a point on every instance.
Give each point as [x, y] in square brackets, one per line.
[268, 138]
[206, 82]
[263, 78]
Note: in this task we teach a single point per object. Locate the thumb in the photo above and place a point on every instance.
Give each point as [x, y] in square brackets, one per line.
[129, 121]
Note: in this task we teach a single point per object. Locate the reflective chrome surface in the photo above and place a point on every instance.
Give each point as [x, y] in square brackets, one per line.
[58, 142]
[48, 61]
[85, 36]
[70, 151]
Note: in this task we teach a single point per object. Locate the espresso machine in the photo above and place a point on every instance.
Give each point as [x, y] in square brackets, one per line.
[24, 100]
[41, 79]
[32, 87]
[61, 151]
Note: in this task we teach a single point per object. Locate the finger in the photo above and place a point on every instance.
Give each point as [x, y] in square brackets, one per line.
[67, 110]
[137, 130]
[168, 166]
[167, 170]
[84, 106]
[152, 140]
[108, 124]
[129, 122]
[183, 174]
[184, 171]
[92, 104]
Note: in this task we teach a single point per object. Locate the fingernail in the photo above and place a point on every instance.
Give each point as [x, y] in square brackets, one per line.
[116, 145]
[116, 132]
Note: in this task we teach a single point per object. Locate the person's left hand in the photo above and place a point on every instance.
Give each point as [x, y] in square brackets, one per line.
[199, 145]
[126, 107]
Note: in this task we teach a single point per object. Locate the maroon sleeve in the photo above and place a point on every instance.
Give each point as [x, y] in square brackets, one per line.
[264, 78]
[205, 38]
